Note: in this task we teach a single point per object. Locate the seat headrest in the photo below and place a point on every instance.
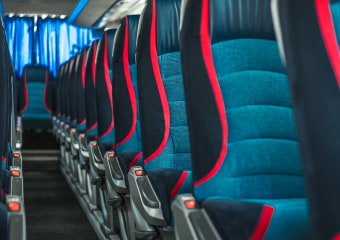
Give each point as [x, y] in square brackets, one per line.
[110, 36]
[128, 27]
[240, 19]
[165, 14]
[133, 21]
[36, 73]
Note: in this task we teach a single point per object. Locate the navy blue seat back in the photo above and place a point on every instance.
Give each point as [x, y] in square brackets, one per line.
[58, 91]
[72, 91]
[127, 124]
[165, 136]
[50, 96]
[34, 111]
[314, 77]
[80, 92]
[104, 102]
[90, 94]
[67, 89]
[61, 94]
[5, 74]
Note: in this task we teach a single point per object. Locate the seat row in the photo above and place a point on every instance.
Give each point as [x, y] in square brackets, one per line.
[12, 210]
[180, 124]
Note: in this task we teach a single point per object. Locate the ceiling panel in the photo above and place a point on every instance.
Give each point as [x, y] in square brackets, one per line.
[96, 13]
[59, 7]
[93, 11]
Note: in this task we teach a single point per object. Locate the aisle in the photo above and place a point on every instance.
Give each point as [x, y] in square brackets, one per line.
[52, 211]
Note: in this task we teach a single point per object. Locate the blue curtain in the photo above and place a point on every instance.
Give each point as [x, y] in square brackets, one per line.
[49, 41]
[20, 40]
[57, 41]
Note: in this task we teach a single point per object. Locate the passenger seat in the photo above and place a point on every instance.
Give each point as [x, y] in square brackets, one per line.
[247, 176]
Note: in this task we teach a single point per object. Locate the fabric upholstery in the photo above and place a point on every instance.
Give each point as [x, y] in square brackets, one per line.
[244, 146]
[90, 94]
[103, 100]
[34, 79]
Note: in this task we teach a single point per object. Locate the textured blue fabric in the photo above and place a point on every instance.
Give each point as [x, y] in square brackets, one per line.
[176, 154]
[263, 159]
[290, 220]
[81, 127]
[134, 143]
[36, 108]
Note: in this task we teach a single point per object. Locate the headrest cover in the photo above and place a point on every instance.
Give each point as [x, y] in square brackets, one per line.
[36, 73]
[240, 19]
[167, 20]
[110, 37]
[133, 26]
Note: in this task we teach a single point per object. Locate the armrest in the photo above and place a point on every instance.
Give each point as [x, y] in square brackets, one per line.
[17, 159]
[18, 134]
[74, 142]
[16, 181]
[67, 132]
[83, 150]
[153, 191]
[117, 167]
[96, 157]
[16, 218]
[62, 132]
[192, 222]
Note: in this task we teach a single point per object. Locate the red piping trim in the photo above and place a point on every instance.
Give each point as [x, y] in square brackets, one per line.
[45, 92]
[82, 122]
[25, 92]
[337, 237]
[129, 84]
[108, 82]
[83, 69]
[94, 63]
[92, 127]
[160, 86]
[209, 64]
[179, 184]
[134, 160]
[263, 223]
[326, 23]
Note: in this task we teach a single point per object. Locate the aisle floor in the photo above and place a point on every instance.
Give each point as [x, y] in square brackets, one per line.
[52, 211]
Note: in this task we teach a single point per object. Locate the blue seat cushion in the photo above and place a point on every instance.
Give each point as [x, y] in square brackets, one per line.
[263, 158]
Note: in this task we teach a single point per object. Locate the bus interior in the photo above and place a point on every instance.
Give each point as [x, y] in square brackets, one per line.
[170, 119]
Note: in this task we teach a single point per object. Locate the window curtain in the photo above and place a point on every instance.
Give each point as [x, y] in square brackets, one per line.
[49, 41]
[20, 40]
[57, 41]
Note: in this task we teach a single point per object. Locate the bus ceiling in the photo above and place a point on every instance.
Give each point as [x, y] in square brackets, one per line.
[82, 13]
